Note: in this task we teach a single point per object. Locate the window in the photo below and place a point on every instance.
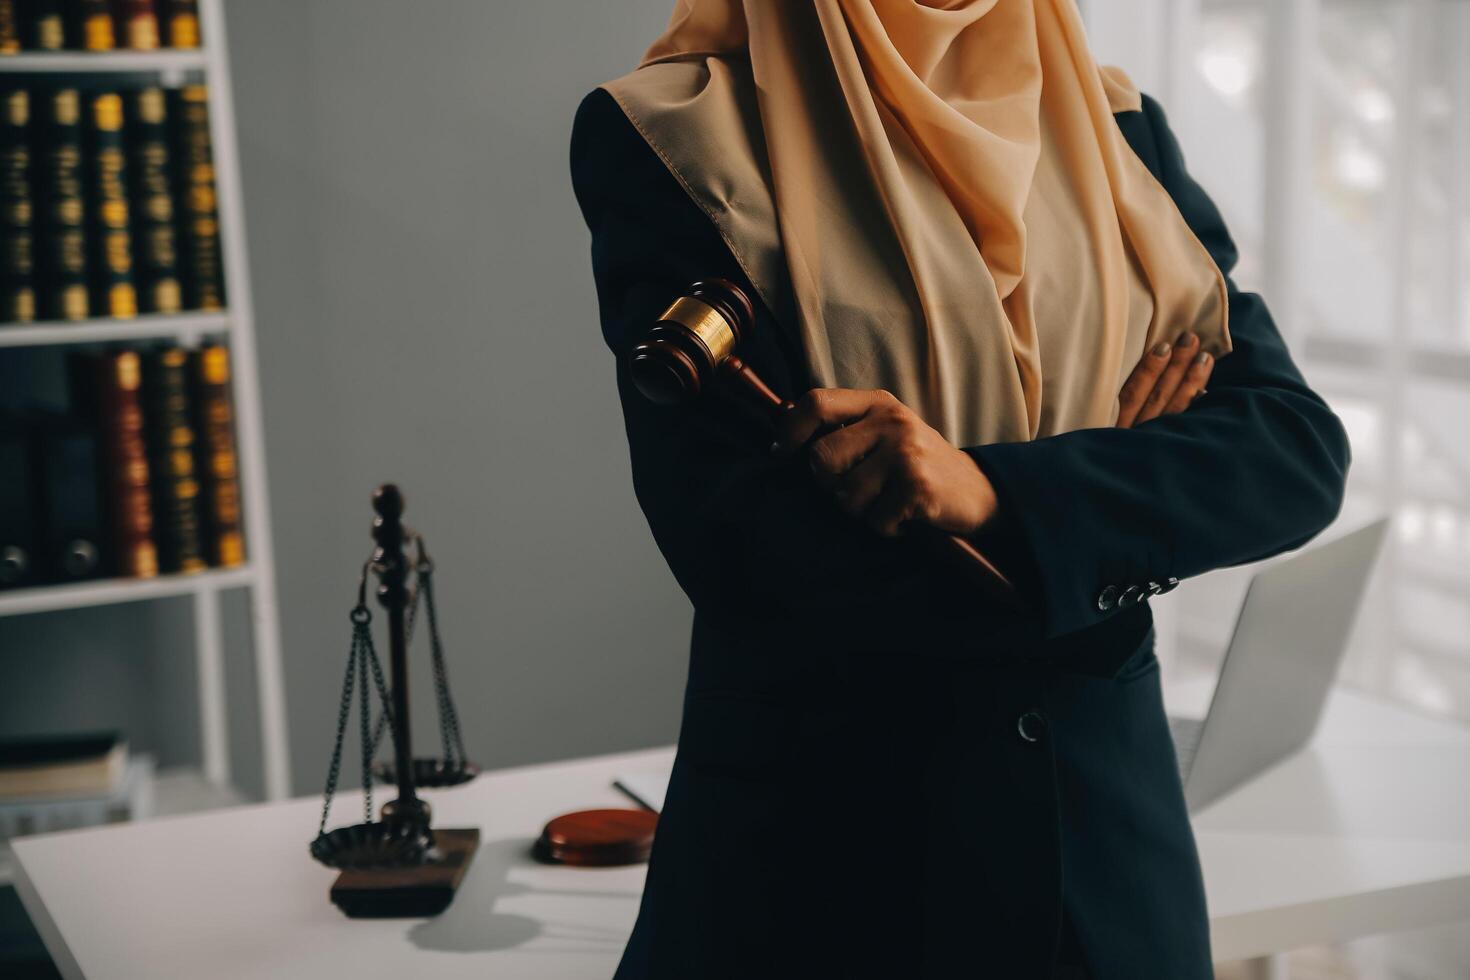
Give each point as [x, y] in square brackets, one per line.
[1335, 136]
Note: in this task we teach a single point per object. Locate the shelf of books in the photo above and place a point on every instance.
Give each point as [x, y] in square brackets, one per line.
[131, 451]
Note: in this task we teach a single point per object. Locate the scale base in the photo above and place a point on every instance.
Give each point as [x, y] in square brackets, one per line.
[414, 892]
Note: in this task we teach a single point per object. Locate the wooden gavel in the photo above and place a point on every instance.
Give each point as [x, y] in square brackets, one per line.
[694, 342]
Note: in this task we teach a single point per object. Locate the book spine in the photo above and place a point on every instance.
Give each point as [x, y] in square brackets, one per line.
[62, 265]
[170, 439]
[138, 24]
[73, 524]
[9, 28]
[126, 462]
[44, 26]
[17, 510]
[155, 237]
[113, 293]
[204, 287]
[92, 27]
[17, 211]
[217, 460]
[182, 23]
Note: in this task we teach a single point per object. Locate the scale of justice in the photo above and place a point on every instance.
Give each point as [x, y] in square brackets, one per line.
[400, 865]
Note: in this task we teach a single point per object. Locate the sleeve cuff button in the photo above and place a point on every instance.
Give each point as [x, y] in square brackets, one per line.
[1107, 599]
[1161, 588]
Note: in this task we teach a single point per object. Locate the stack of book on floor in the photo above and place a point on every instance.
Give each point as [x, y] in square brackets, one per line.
[97, 25]
[137, 478]
[107, 203]
[63, 782]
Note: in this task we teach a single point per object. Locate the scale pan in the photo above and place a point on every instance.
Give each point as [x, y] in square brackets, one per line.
[370, 845]
[431, 773]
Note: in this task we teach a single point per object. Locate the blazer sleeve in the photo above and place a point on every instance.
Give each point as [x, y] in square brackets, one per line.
[1254, 467]
[742, 531]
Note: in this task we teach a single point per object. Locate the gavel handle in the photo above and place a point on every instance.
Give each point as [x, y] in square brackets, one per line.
[753, 392]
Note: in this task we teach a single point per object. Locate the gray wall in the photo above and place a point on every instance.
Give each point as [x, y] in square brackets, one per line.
[425, 315]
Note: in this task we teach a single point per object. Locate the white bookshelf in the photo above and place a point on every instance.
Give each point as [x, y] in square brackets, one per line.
[236, 327]
[80, 62]
[186, 329]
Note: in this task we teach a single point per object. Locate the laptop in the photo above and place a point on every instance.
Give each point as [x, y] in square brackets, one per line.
[1289, 640]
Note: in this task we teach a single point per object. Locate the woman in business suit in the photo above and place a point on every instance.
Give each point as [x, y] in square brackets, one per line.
[984, 272]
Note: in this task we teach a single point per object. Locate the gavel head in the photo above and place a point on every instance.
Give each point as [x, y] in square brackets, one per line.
[690, 340]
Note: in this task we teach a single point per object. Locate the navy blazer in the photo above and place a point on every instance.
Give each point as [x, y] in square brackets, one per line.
[879, 774]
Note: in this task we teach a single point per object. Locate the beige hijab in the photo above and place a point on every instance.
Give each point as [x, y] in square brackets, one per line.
[934, 196]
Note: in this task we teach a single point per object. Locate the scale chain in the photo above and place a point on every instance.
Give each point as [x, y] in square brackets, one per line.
[336, 764]
[366, 712]
[448, 718]
[362, 659]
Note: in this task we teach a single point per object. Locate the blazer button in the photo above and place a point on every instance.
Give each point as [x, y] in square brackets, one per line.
[1107, 599]
[1031, 726]
[1161, 588]
[1130, 596]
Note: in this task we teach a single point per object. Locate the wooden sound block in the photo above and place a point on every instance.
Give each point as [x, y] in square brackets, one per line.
[412, 892]
[598, 838]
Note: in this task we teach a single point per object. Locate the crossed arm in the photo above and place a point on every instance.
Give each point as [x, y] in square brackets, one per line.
[1253, 467]
[886, 466]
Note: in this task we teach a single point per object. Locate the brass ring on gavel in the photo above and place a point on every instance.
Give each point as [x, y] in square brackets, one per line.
[705, 323]
[697, 333]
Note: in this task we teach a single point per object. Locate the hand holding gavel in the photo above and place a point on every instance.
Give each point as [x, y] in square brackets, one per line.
[885, 465]
[885, 460]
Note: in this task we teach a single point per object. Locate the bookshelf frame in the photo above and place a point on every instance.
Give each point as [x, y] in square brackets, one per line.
[236, 328]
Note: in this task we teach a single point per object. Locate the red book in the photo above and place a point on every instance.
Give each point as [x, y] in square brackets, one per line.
[125, 456]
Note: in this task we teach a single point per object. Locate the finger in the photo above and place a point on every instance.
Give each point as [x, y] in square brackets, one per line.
[892, 506]
[1141, 382]
[1168, 383]
[861, 485]
[1193, 384]
[833, 454]
[818, 409]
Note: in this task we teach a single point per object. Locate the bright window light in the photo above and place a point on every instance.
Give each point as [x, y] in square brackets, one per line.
[1357, 166]
[1373, 105]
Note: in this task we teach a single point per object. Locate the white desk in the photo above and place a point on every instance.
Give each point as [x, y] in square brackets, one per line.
[1366, 832]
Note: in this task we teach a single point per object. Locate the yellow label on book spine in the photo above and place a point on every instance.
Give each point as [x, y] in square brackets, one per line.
[183, 31]
[122, 301]
[231, 549]
[97, 33]
[50, 35]
[143, 32]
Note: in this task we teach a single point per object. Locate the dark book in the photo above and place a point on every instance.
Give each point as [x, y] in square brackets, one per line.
[18, 518]
[110, 235]
[125, 478]
[150, 171]
[217, 462]
[62, 766]
[9, 27]
[181, 23]
[169, 434]
[73, 523]
[194, 195]
[61, 255]
[17, 210]
[137, 24]
[43, 28]
[89, 25]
